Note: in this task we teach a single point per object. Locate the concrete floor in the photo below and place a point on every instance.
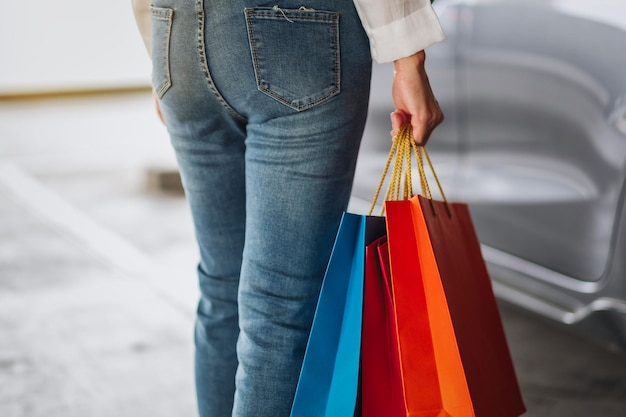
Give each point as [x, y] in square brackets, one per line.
[97, 278]
[97, 274]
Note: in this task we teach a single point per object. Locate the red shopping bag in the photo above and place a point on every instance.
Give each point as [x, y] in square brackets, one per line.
[453, 352]
[381, 380]
[381, 392]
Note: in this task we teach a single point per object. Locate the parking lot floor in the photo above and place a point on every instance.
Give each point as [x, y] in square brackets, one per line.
[97, 277]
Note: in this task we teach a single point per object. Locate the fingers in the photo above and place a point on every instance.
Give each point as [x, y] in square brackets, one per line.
[398, 119]
[423, 123]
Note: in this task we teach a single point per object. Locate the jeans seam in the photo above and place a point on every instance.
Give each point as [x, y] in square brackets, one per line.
[337, 56]
[204, 65]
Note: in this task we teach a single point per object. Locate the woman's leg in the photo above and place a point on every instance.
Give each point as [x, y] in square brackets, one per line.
[266, 111]
[299, 171]
[208, 138]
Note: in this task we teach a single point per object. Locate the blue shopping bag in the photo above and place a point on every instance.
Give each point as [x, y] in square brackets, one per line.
[329, 377]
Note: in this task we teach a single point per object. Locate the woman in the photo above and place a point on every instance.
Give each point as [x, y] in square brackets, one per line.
[265, 103]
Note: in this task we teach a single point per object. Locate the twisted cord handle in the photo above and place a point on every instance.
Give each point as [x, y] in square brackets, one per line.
[403, 146]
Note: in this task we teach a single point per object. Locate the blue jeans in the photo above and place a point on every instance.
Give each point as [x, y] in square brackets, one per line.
[265, 106]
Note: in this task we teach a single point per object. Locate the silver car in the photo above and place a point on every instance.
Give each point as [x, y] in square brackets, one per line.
[534, 94]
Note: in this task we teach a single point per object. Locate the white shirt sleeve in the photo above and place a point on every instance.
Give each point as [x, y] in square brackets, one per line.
[398, 28]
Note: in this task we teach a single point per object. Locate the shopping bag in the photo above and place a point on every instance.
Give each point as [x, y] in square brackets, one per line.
[453, 353]
[329, 377]
[381, 379]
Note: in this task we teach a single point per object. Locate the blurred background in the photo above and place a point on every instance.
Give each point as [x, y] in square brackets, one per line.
[97, 256]
[70, 45]
[97, 259]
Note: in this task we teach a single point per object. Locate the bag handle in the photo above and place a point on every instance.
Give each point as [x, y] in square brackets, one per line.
[402, 148]
[420, 153]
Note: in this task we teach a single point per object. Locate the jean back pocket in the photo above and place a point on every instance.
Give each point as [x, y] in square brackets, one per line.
[295, 53]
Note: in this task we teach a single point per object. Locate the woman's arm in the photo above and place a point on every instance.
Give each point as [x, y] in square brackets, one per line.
[413, 98]
[399, 31]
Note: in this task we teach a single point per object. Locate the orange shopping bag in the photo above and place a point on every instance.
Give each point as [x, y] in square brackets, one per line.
[453, 355]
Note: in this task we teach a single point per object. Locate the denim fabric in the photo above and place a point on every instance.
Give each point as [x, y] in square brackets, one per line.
[265, 104]
[273, 67]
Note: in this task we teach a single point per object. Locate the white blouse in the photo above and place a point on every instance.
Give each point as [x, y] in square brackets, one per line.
[396, 28]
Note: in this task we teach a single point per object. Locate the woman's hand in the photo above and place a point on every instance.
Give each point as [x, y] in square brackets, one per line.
[414, 99]
[157, 105]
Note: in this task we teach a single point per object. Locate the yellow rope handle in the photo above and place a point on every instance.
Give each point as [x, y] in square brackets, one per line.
[396, 173]
[403, 146]
[408, 181]
[396, 189]
[420, 153]
[422, 173]
[430, 164]
[400, 154]
[392, 152]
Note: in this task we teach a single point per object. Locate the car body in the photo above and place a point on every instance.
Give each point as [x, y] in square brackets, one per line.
[534, 94]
